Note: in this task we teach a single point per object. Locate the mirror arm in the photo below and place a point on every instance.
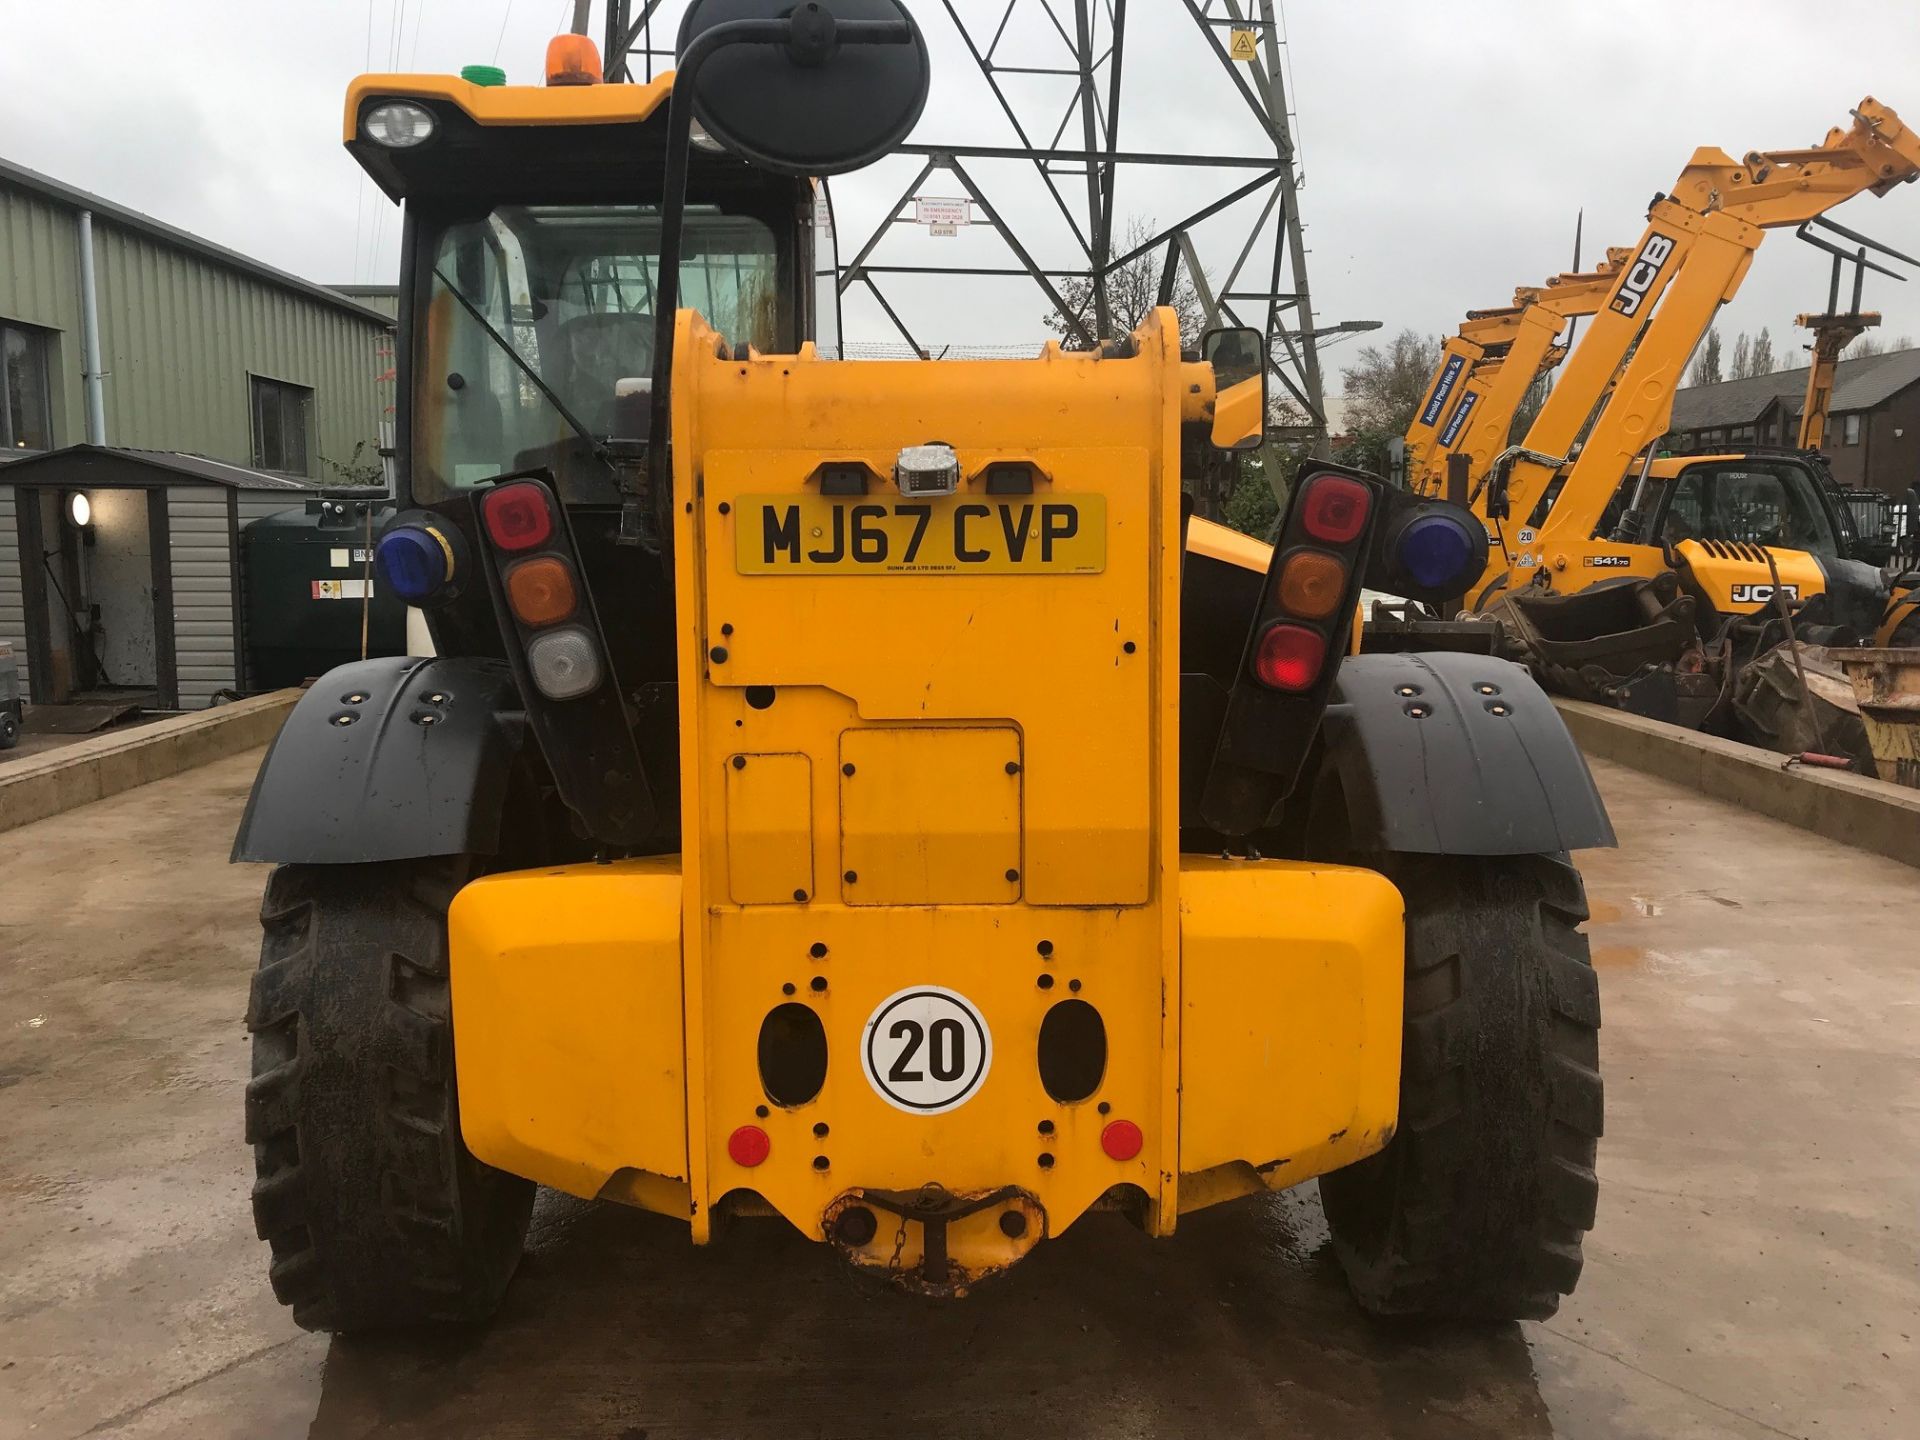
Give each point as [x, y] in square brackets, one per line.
[809, 41]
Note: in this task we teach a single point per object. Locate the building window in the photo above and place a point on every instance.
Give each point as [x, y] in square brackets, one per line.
[1850, 429]
[25, 417]
[281, 415]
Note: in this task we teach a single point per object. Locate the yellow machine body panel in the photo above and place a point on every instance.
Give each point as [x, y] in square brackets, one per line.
[931, 826]
[567, 1000]
[1337, 983]
[929, 685]
[1737, 580]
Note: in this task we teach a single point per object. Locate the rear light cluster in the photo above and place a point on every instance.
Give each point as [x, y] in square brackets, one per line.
[1310, 582]
[542, 590]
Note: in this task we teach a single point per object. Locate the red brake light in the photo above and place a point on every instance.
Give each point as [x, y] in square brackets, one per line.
[1289, 657]
[517, 516]
[1334, 509]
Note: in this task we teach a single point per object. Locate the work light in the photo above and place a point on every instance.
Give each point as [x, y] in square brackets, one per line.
[398, 124]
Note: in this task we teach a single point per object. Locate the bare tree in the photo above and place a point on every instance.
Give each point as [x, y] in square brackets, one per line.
[1385, 385]
[1741, 366]
[1381, 391]
[1874, 344]
[1132, 292]
[1706, 364]
[1762, 361]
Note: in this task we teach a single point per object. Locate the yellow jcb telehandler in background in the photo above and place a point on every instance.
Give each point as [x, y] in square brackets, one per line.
[854, 792]
[1651, 581]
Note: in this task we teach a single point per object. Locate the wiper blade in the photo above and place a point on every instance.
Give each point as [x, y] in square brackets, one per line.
[598, 445]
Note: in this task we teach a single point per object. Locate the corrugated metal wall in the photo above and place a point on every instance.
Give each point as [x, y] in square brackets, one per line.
[202, 594]
[40, 285]
[180, 334]
[13, 608]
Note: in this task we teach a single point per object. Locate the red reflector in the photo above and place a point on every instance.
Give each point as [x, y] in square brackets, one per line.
[517, 517]
[1121, 1140]
[1288, 657]
[1334, 508]
[748, 1146]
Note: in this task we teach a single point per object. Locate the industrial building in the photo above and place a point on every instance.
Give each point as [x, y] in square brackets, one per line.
[181, 389]
[1873, 437]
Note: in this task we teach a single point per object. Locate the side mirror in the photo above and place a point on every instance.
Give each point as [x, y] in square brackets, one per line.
[812, 89]
[1239, 362]
[841, 88]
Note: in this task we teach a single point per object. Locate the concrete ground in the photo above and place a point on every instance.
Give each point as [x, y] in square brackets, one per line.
[1752, 1274]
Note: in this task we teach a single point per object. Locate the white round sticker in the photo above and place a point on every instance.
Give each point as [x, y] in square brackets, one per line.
[926, 1050]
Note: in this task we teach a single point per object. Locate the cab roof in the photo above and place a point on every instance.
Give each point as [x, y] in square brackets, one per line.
[511, 128]
[610, 104]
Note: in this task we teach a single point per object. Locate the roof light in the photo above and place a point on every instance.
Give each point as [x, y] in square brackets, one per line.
[518, 516]
[398, 124]
[541, 590]
[572, 60]
[1289, 657]
[1311, 584]
[565, 663]
[483, 75]
[1334, 509]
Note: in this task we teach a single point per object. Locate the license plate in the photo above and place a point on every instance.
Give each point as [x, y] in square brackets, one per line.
[1024, 535]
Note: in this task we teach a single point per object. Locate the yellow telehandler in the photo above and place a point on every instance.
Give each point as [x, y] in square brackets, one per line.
[856, 792]
[1647, 580]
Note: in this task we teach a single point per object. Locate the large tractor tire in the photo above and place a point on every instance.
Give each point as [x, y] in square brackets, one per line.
[1477, 1207]
[377, 1213]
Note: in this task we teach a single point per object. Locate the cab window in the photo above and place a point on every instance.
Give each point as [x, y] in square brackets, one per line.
[1754, 502]
[535, 343]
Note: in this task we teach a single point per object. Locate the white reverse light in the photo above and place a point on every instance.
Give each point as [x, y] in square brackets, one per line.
[565, 663]
[398, 125]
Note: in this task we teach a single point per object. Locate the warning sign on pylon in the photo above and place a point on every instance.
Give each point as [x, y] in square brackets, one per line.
[1240, 47]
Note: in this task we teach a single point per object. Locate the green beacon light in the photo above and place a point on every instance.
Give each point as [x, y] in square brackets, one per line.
[483, 75]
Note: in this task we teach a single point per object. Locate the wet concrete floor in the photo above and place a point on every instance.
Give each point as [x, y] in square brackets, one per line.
[1753, 1272]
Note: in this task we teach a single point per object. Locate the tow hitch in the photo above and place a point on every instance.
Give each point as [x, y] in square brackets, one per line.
[932, 1241]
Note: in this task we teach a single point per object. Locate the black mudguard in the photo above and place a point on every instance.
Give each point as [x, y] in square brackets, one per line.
[1452, 754]
[407, 776]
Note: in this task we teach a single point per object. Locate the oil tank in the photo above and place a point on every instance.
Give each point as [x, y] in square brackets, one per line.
[306, 579]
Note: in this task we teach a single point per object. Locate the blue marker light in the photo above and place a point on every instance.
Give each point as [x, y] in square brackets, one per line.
[1436, 550]
[414, 563]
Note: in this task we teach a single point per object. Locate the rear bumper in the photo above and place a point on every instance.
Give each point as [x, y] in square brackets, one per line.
[594, 1059]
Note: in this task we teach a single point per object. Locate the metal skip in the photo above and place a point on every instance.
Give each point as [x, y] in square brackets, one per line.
[1887, 684]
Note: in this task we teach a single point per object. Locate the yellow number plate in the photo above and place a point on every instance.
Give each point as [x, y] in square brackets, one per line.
[998, 535]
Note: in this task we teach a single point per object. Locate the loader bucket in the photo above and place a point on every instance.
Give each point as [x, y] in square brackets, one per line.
[1631, 645]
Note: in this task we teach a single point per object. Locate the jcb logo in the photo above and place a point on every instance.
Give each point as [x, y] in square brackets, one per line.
[1761, 594]
[1645, 270]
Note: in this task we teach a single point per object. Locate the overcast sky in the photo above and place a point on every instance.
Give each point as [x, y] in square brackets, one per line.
[1446, 149]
